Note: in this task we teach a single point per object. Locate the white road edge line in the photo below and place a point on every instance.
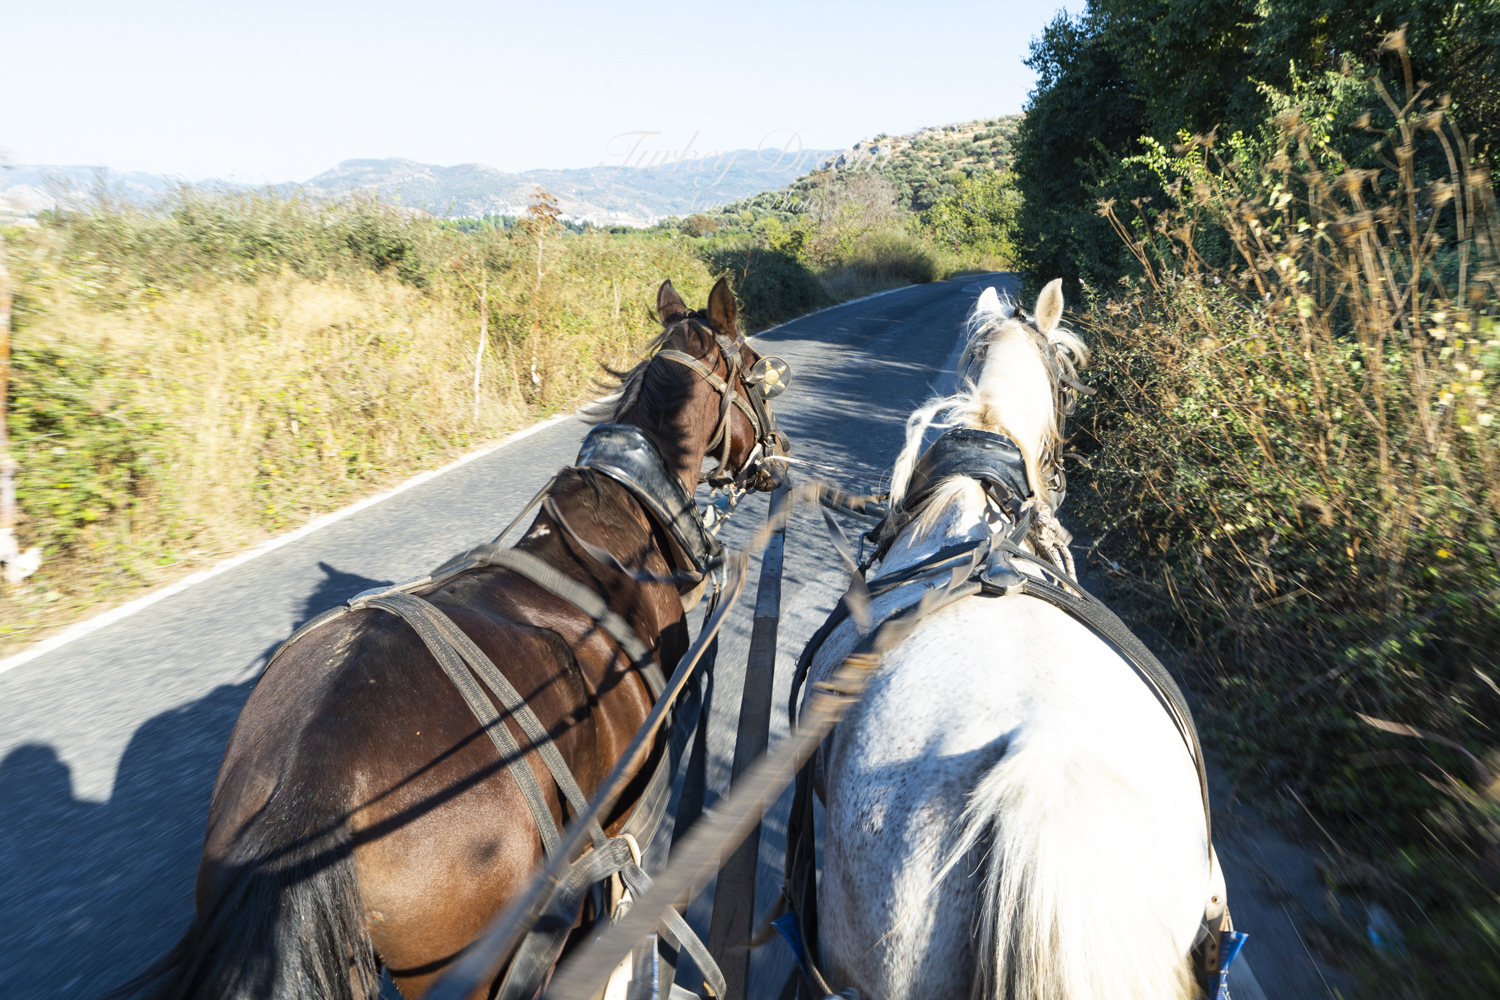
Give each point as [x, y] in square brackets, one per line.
[129, 608]
[107, 618]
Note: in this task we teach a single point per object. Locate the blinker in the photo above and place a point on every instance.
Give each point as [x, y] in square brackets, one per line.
[772, 374]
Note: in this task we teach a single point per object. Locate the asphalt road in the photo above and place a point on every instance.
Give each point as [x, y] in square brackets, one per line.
[109, 745]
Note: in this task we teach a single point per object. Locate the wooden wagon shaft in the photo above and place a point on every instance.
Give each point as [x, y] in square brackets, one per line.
[734, 900]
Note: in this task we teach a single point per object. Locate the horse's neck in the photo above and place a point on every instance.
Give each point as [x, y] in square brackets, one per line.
[604, 513]
[682, 445]
[965, 518]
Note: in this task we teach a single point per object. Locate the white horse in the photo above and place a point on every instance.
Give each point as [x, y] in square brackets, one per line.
[1010, 812]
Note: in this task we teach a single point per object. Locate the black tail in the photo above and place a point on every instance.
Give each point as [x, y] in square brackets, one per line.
[272, 931]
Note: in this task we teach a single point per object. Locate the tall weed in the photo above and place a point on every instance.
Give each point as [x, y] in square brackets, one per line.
[1296, 476]
[189, 377]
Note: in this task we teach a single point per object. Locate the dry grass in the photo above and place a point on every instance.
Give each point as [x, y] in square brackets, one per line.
[193, 376]
[160, 424]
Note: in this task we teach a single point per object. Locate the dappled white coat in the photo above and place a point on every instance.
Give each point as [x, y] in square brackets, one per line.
[1010, 812]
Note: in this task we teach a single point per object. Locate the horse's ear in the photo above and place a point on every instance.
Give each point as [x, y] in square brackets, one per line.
[990, 304]
[669, 305]
[1049, 306]
[722, 312]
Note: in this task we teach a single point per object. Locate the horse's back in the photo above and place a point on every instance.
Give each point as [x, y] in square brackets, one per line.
[355, 745]
[985, 687]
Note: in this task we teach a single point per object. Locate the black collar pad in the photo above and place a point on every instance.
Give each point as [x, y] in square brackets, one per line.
[965, 451]
[625, 454]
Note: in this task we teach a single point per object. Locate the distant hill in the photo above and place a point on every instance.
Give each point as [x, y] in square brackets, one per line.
[603, 194]
[920, 167]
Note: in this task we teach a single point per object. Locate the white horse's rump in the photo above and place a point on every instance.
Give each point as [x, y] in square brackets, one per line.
[1010, 812]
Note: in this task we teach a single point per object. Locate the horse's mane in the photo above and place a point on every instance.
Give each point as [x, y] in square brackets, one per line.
[654, 391]
[1018, 381]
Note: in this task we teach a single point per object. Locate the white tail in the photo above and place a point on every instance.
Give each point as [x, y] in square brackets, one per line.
[1067, 902]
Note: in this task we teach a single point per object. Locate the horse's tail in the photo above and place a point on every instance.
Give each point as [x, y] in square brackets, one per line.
[1073, 902]
[272, 931]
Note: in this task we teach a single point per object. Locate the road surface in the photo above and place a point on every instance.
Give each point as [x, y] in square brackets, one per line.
[109, 745]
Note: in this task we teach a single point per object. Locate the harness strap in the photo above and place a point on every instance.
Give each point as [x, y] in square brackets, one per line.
[607, 558]
[729, 396]
[539, 951]
[422, 616]
[583, 598]
[1103, 622]
[412, 608]
[638, 881]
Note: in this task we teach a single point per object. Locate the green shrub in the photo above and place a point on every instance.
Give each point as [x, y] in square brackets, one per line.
[1296, 479]
[771, 284]
[90, 448]
[979, 216]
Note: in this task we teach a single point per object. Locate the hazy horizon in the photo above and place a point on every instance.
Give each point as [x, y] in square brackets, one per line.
[281, 93]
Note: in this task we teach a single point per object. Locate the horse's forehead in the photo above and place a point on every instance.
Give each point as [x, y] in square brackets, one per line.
[690, 328]
[1004, 329]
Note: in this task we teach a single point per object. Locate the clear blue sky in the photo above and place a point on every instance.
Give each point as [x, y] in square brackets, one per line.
[277, 91]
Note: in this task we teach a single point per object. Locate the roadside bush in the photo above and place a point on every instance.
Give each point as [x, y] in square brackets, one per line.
[1296, 477]
[699, 225]
[980, 216]
[190, 376]
[772, 285]
[884, 258]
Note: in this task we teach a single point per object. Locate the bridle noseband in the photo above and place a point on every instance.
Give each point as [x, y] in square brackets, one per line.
[763, 381]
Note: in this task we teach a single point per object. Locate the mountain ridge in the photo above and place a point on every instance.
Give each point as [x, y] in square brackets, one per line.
[603, 194]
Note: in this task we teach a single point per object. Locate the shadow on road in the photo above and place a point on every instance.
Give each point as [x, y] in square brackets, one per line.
[93, 892]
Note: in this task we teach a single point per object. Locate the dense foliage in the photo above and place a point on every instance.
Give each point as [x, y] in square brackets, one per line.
[1295, 477]
[1127, 69]
[979, 215]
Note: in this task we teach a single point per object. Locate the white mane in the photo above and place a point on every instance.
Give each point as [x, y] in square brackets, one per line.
[1012, 388]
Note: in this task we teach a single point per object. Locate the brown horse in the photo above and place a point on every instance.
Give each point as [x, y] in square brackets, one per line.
[361, 817]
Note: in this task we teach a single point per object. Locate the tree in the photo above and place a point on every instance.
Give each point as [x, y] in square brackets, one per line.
[980, 214]
[699, 224]
[1128, 69]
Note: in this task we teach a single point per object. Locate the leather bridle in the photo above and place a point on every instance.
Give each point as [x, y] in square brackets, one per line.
[1067, 392]
[762, 381]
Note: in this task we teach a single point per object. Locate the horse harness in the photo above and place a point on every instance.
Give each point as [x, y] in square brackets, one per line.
[623, 453]
[990, 567]
[770, 374]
